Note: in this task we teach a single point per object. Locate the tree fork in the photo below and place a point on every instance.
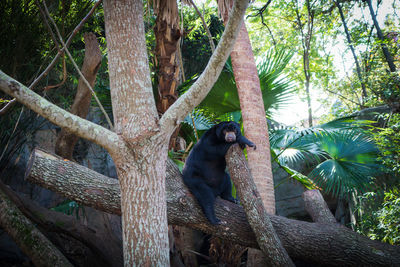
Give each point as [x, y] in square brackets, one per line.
[319, 243]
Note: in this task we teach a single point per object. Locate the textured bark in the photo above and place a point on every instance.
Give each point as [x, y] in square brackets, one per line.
[316, 206]
[106, 250]
[256, 214]
[199, 90]
[324, 244]
[167, 36]
[254, 122]
[386, 52]
[140, 163]
[31, 241]
[65, 140]
[253, 113]
[81, 127]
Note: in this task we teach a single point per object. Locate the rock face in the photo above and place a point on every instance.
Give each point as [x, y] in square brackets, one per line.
[288, 194]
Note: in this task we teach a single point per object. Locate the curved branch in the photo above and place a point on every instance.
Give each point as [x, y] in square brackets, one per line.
[199, 90]
[76, 125]
[318, 243]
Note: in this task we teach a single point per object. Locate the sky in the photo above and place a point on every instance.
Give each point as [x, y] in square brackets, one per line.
[297, 110]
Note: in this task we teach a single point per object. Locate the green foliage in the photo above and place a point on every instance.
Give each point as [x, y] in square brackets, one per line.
[222, 102]
[388, 141]
[70, 208]
[379, 218]
[346, 155]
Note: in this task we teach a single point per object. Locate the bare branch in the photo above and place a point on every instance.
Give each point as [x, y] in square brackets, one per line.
[54, 61]
[76, 125]
[199, 90]
[204, 25]
[77, 68]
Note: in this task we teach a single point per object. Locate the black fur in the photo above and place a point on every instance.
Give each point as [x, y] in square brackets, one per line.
[204, 171]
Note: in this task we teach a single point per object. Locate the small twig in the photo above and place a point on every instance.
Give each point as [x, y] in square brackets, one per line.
[69, 41]
[204, 25]
[77, 68]
[53, 37]
[345, 98]
[9, 139]
[5, 109]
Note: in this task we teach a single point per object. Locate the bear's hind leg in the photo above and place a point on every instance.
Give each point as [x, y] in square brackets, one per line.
[226, 189]
[205, 196]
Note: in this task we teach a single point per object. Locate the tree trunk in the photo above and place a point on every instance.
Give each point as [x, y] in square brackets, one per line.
[358, 69]
[253, 113]
[324, 244]
[105, 251]
[167, 36]
[31, 241]
[139, 144]
[254, 122]
[66, 140]
[316, 206]
[140, 162]
[256, 214]
[386, 52]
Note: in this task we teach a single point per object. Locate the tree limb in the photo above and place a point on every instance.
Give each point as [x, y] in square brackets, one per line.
[76, 125]
[31, 241]
[316, 206]
[324, 244]
[256, 214]
[5, 109]
[97, 240]
[65, 140]
[199, 90]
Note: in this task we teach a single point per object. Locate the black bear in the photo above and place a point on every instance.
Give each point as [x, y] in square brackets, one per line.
[204, 172]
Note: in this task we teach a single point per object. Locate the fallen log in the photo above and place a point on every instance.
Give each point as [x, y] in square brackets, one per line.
[25, 234]
[314, 243]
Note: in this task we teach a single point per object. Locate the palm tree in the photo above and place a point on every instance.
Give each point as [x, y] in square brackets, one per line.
[344, 154]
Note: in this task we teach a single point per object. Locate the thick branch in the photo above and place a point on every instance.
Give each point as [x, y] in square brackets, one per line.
[325, 244]
[199, 90]
[59, 223]
[76, 125]
[255, 211]
[316, 206]
[65, 140]
[31, 241]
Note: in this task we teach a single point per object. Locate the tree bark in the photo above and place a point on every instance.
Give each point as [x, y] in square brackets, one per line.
[324, 244]
[254, 121]
[253, 113]
[65, 140]
[106, 250]
[167, 36]
[139, 144]
[140, 162]
[358, 68]
[316, 206]
[31, 241]
[386, 52]
[256, 214]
